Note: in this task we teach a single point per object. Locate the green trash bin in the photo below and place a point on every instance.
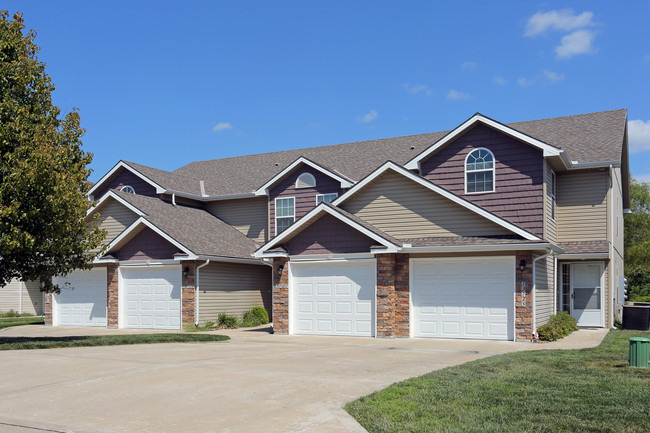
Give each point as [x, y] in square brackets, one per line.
[639, 352]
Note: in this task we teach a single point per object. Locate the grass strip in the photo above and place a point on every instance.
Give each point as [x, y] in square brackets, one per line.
[18, 321]
[23, 343]
[588, 390]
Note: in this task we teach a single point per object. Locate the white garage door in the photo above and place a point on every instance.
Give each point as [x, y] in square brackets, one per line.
[468, 298]
[151, 297]
[336, 298]
[82, 301]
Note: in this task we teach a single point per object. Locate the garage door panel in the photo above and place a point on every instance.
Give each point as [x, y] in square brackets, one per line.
[82, 301]
[152, 297]
[468, 298]
[333, 298]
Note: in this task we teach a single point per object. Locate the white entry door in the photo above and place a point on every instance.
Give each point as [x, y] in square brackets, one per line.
[463, 298]
[151, 297]
[82, 301]
[336, 298]
[586, 293]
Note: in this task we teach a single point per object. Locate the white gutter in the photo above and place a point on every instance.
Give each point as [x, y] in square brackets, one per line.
[603, 164]
[219, 259]
[535, 288]
[196, 293]
[471, 248]
[209, 197]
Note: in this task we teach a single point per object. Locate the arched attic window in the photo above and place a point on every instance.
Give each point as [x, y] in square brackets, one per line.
[479, 171]
[128, 189]
[306, 180]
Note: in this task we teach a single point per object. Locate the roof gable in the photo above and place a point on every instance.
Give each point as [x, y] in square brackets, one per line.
[264, 189]
[389, 243]
[117, 168]
[435, 188]
[548, 150]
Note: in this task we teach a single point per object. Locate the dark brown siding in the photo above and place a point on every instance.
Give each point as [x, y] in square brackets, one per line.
[125, 177]
[305, 198]
[147, 245]
[518, 196]
[329, 235]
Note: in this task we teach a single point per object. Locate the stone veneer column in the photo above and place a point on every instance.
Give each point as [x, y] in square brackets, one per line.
[524, 299]
[188, 292]
[281, 295]
[112, 303]
[47, 309]
[392, 295]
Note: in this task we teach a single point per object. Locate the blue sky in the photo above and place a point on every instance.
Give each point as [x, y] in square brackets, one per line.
[164, 83]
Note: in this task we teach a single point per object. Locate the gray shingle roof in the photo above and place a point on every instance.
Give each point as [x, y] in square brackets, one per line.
[594, 137]
[468, 241]
[196, 229]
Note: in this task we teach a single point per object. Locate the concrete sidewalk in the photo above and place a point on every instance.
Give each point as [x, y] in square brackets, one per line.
[254, 382]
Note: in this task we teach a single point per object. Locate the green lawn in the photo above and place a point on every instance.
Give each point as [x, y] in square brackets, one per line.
[21, 343]
[589, 390]
[17, 321]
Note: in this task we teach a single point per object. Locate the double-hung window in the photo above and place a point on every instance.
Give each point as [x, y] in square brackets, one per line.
[329, 198]
[285, 213]
[479, 171]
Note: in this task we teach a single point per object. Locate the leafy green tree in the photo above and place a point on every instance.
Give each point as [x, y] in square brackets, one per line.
[637, 242]
[43, 170]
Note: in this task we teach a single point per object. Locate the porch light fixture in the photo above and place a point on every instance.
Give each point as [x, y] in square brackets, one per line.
[280, 269]
[522, 265]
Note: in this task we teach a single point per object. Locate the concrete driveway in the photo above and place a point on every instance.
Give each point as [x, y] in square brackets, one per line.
[255, 382]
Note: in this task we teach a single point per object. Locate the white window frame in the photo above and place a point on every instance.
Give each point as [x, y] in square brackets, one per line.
[335, 194]
[307, 183]
[276, 212]
[493, 170]
[128, 189]
[553, 195]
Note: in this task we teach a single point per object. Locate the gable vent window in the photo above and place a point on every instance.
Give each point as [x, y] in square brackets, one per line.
[306, 180]
[479, 171]
[285, 213]
[128, 189]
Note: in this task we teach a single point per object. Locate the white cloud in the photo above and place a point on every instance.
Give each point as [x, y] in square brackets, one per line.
[578, 42]
[418, 88]
[455, 95]
[368, 117]
[647, 58]
[645, 178]
[500, 80]
[468, 66]
[315, 125]
[639, 135]
[564, 20]
[221, 126]
[551, 76]
[524, 82]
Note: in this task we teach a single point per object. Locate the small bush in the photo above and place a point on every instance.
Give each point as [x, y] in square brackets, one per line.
[227, 321]
[558, 326]
[254, 317]
[10, 313]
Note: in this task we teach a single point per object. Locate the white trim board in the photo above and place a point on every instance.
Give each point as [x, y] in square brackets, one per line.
[263, 190]
[111, 194]
[441, 191]
[414, 164]
[305, 220]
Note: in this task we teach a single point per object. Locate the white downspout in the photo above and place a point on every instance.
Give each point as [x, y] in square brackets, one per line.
[535, 289]
[173, 199]
[20, 297]
[196, 293]
[612, 239]
[554, 284]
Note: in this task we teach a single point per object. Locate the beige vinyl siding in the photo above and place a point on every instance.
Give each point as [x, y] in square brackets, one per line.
[32, 297]
[582, 206]
[404, 209]
[544, 284]
[248, 215]
[550, 226]
[233, 288]
[114, 217]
